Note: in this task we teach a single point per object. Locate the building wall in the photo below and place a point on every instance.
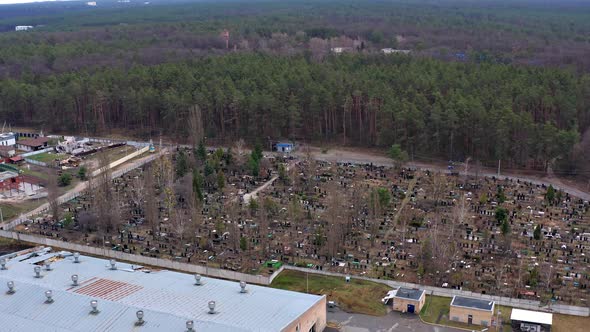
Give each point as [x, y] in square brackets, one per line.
[402, 304]
[24, 147]
[316, 315]
[480, 317]
[8, 142]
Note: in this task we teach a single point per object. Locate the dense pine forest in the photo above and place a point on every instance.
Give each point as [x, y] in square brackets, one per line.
[450, 110]
[488, 79]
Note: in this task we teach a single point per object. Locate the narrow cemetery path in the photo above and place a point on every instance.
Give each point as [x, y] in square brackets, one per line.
[401, 207]
[254, 193]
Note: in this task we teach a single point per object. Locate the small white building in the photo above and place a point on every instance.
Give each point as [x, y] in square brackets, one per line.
[531, 321]
[393, 51]
[91, 3]
[337, 50]
[23, 27]
[7, 139]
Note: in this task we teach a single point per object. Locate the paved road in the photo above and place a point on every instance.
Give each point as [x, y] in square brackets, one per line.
[392, 322]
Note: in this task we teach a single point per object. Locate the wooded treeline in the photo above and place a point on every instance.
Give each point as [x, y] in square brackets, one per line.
[507, 31]
[449, 110]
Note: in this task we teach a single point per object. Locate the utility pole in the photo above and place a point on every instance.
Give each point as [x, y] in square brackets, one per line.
[1, 215]
[499, 163]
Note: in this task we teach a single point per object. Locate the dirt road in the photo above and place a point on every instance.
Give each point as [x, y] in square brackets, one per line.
[357, 157]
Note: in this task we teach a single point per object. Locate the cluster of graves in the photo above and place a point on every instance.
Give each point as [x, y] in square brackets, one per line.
[488, 235]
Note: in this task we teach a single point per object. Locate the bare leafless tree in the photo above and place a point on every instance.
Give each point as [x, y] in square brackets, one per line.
[53, 196]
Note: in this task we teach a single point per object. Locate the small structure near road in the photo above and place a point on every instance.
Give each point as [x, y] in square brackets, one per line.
[284, 147]
[409, 300]
[13, 184]
[471, 311]
[32, 144]
[531, 321]
[23, 27]
[7, 139]
[394, 51]
[7, 151]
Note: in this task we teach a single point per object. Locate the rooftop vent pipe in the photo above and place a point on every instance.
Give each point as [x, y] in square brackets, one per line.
[190, 326]
[3, 264]
[211, 307]
[10, 285]
[74, 279]
[37, 270]
[49, 296]
[243, 287]
[140, 320]
[198, 280]
[113, 264]
[94, 306]
[76, 257]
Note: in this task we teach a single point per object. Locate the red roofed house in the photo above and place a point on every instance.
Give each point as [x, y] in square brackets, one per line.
[16, 159]
[33, 144]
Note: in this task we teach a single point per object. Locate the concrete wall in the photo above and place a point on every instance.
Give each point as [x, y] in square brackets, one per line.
[480, 317]
[28, 154]
[144, 260]
[400, 304]
[313, 317]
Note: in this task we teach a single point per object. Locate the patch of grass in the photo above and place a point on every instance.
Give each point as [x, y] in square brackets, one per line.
[40, 175]
[47, 157]
[567, 323]
[433, 307]
[357, 296]
[13, 210]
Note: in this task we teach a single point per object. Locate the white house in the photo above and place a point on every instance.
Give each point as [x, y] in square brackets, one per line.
[392, 51]
[22, 27]
[7, 139]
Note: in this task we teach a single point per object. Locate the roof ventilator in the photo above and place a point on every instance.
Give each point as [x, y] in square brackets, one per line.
[10, 285]
[3, 264]
[37, 270]
[140, 320]
[74, 280]
[198, 280]
[243, 287]
[48, 266]
[211, 307]
[113, 264]
[94, 306]
[49, 296]
[190, 326]
[76, 257]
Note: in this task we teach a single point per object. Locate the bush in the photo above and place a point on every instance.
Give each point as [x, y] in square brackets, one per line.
[64, 180]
